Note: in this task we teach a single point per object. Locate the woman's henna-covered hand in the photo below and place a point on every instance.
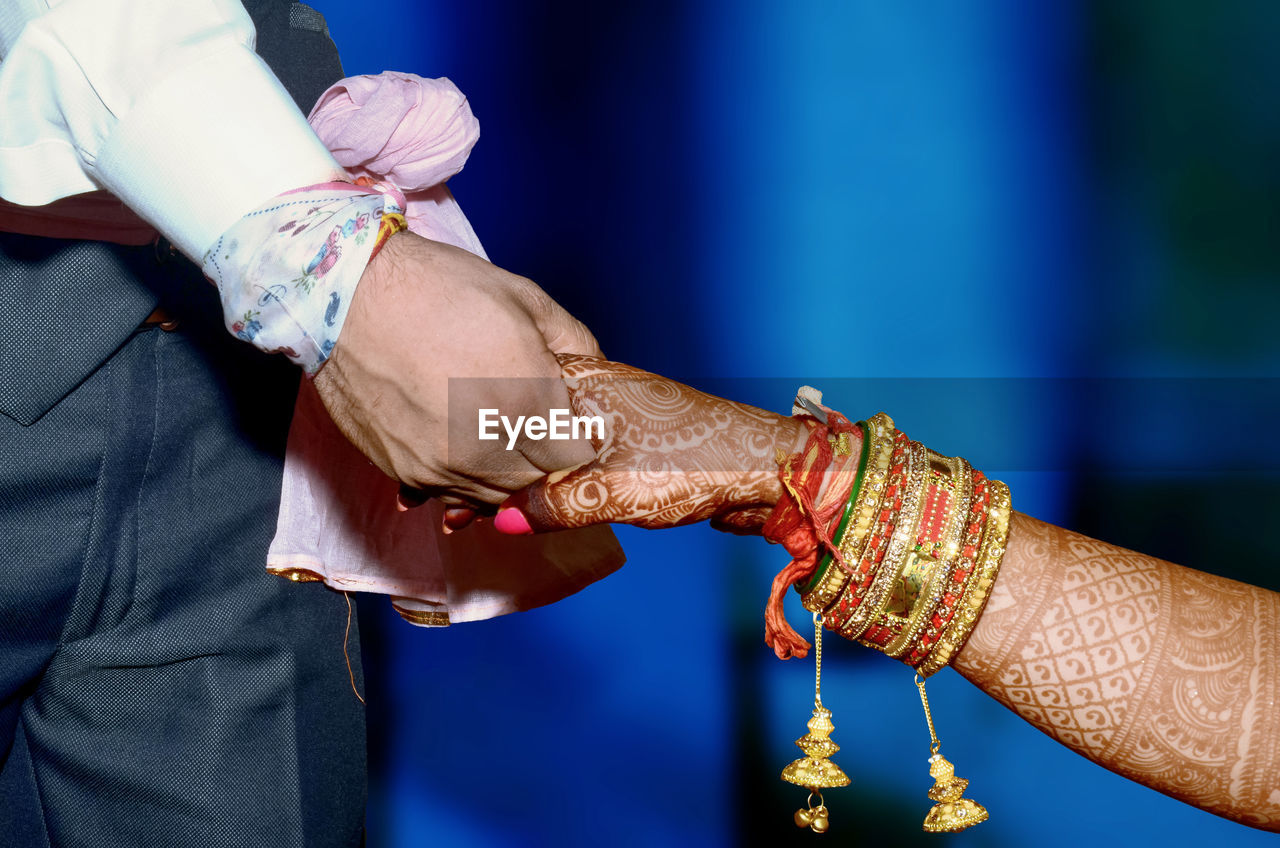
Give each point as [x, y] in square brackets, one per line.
[1162, 674]
[670, 455]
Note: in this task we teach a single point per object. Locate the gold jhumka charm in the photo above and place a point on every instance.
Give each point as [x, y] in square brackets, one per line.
[814, 770]
[952, 812]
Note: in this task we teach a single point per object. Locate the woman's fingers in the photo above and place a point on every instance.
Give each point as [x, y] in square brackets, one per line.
[572, 497]
[671, 455]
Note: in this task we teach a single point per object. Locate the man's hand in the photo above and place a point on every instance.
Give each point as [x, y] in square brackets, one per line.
[433, 327]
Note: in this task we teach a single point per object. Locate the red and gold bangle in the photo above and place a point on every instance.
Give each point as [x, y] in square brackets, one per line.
[883, 487]
[903, 533]
[884, 522]
[944, 579]
[995, 540]
[830, 580]
[974, 518]
[881, 626]
[948, 554]
[927, 568]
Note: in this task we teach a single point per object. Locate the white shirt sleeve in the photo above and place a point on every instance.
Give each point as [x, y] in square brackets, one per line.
[161, 102]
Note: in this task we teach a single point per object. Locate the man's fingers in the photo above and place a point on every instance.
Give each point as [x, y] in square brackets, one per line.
[457, 514]
[554, 454]
[553, 451]
[410, 498]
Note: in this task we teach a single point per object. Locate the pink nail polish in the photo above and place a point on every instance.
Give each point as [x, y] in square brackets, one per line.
[512, 522]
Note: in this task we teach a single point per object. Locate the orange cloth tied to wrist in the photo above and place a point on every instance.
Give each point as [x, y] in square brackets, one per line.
[816, 484]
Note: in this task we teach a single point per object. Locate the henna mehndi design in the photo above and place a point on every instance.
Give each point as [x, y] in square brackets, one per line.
[1165, 675]
[672, 455]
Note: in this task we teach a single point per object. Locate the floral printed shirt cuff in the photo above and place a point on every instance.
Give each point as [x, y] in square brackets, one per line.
[286, 272]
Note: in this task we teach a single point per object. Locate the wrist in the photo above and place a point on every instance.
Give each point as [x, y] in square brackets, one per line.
[788, 437]
[329, 232]
[755, 491]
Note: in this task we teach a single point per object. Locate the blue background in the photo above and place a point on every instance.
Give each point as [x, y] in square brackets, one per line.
[857, 195]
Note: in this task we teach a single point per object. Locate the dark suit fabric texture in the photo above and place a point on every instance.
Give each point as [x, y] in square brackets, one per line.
[157, 686]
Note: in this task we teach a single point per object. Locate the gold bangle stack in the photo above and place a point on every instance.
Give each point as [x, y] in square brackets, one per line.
[927, 569]
[970, 606]
[944, 537]
[904, 531]
[921, 541]
[864, 501]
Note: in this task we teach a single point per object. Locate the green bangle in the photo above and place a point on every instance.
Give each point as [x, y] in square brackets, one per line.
[827, 558]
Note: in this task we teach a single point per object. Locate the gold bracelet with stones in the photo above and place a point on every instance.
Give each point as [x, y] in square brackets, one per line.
[904, 529]
[907, 572]
[831, 580]
[994, 541]
[932, 568]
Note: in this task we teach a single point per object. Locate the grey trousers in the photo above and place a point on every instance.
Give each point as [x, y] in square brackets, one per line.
[157, 687]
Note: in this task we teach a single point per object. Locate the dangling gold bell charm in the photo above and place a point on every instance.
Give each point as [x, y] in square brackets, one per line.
[952, 812]
[814, 818]
[814, 770]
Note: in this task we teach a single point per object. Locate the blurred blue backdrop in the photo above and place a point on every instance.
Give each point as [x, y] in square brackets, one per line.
[747, 196]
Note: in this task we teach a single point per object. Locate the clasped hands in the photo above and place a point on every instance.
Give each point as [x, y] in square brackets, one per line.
[429, 321]
[669, 455]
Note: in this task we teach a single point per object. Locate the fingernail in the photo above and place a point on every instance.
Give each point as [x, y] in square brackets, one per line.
[457, 517]
[408, 498]
[512, 522]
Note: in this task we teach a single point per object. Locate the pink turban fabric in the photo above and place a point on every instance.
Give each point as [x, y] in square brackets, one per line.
[338, 521]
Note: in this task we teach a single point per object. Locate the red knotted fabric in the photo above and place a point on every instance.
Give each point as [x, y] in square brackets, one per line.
[806, 515]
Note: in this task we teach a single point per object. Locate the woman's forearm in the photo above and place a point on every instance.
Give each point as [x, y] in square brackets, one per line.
[1165, 675]
[1162, 674]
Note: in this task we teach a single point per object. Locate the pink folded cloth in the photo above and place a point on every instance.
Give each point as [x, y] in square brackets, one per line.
[338, 521]
[412, 132]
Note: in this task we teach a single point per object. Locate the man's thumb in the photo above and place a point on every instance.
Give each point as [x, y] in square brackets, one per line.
[563, 333]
